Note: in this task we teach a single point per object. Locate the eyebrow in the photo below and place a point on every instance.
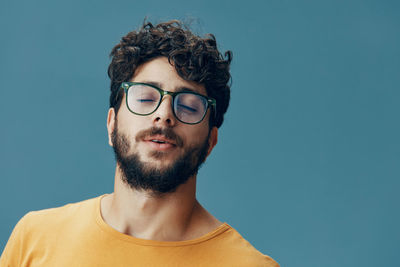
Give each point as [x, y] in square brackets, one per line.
[179, 89]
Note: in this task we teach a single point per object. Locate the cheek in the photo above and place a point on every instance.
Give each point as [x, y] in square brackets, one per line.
[197, 135]
[127, 132]
[130, 123]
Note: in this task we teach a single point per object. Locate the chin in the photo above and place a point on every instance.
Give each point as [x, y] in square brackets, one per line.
[159, 163]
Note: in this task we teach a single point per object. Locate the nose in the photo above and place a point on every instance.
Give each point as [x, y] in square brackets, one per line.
[164, 116]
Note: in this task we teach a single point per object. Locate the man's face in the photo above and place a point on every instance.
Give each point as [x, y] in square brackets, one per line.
[145, 162]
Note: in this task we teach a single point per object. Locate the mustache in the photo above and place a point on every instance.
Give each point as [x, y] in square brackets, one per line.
[167, 132]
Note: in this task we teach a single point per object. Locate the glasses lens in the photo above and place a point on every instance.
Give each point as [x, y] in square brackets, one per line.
[190, 108]
[143, 99]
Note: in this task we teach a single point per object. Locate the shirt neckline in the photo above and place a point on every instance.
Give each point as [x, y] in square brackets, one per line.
[146, 242]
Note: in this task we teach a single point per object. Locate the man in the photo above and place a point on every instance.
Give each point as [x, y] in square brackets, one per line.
[169, 93]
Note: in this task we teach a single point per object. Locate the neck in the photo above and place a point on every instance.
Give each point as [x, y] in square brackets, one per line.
[169, 217]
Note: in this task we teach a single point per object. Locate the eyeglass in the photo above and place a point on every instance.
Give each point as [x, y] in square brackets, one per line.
[188, 107]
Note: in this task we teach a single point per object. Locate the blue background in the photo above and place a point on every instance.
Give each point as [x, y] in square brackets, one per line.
[307, 164]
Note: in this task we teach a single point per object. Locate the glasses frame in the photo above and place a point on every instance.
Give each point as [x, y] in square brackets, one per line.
[210, 101]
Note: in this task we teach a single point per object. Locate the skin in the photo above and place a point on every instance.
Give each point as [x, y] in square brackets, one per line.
[175, 216]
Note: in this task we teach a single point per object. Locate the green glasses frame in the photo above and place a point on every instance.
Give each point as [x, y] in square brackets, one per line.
[210, 101]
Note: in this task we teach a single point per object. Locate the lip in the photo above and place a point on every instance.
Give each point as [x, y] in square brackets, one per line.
[169, 144]
[160, 138]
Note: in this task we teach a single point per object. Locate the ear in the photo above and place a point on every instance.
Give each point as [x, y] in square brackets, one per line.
[110, 124]
[212, 139]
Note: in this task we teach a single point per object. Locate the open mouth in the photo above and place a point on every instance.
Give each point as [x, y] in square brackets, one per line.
[159, 141]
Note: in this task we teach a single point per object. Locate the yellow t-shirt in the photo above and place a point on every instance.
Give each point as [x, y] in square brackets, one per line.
[76, 235]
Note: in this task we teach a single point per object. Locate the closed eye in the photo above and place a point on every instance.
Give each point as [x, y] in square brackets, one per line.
[187, 108]
[144, 100]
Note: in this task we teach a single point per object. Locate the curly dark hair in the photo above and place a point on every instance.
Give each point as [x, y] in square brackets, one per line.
[194, 58]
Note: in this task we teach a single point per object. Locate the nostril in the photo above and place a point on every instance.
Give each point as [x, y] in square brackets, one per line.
[164, 114]
[168, 120]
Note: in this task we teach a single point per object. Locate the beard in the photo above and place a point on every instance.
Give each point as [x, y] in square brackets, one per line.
[140, 175]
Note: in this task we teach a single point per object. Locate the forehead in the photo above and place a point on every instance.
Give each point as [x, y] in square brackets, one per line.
[160, 71]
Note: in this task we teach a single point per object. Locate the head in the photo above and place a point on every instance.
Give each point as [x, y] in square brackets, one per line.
[158, 152]
[195, 59]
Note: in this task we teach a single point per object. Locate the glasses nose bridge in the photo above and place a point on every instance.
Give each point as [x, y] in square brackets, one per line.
[166, 93]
